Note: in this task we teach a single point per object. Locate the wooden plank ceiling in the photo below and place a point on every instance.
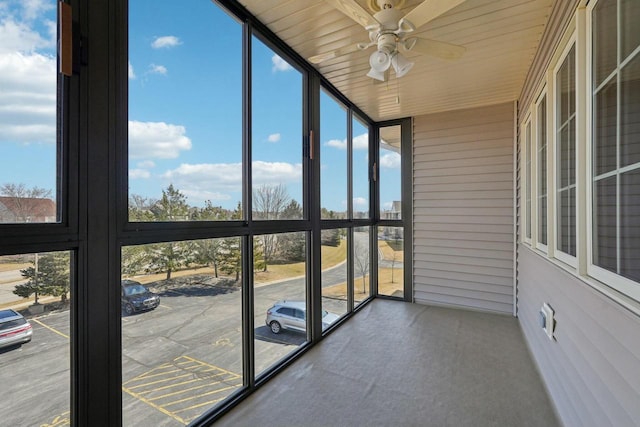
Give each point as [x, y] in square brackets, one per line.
[501, 37]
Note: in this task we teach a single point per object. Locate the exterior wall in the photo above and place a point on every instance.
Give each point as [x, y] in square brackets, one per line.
[592, 369]
[463, 208]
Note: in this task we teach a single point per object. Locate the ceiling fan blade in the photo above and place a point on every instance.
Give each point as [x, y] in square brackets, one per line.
[333, 54]
[429, 10]
[354, 11]
[438, 49]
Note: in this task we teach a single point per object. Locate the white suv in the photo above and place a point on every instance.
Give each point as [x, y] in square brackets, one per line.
[292, 315]
[14, 329]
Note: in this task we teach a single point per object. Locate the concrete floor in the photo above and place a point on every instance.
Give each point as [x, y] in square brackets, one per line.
[401, 364]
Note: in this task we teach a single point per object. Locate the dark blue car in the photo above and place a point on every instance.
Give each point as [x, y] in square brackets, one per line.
[137, 297]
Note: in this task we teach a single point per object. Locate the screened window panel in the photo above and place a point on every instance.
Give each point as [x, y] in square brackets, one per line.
[630, 18]
[566, 155]
[542, 171]
[630, 225]
[605, 243]
[605, 42]
[605, 129]
[630, 113]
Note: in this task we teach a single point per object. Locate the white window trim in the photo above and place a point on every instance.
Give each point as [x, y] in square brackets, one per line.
[619, 283]
[568, 42]
[543, 95]
[525, 213]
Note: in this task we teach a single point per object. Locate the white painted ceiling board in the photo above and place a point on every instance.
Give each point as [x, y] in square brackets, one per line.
[501, 37]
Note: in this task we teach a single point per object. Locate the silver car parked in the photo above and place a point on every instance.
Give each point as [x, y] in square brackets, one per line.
[14, 329]
[292, 315]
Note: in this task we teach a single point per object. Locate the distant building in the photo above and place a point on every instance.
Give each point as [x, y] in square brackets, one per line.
[27, 209]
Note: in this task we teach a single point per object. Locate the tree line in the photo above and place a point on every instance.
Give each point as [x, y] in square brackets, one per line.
[50, 272]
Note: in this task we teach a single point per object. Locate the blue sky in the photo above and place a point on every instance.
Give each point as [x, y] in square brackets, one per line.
[185, 108]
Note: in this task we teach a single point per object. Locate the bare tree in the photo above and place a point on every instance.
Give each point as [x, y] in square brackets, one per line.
[361, 260]
[269, 201]
[25, 201]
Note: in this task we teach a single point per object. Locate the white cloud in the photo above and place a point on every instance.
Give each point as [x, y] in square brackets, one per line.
[360, 201]
[156, 140]
[390, 161]
[165, 42]
[280, 64]
[27, 105]
[215, 181]
[146, 164]
[34, 8]
[139, 174]
[132, 74]
[274, 137]
[276, 172]
[360, 142]
[158, 69]
[19, 37]
[387, 205]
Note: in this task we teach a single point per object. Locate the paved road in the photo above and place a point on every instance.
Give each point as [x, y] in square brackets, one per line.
[178, 360]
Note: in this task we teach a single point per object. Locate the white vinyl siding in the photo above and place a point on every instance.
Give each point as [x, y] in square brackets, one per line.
[591, 368]
[463, 208]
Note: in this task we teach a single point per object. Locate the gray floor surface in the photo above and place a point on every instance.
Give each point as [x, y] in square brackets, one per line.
[401, 364]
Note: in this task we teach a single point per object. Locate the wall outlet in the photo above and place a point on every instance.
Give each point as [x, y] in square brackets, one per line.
[547, 321]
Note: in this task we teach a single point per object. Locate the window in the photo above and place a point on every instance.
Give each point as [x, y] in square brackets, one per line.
[615, 168]
[185, 113]
[35, 338]
[334, 177]
[181, 327]
[566, 156]
[542, 170]
[28, 106]
[527, 182]
[360, 159]
[391, 232]
[276, 135]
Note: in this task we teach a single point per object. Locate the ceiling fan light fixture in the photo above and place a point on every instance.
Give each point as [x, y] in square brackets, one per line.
[380, 61]
[376, 75]
[400, 64]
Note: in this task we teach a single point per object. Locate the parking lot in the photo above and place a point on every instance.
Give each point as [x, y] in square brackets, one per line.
[178, 360]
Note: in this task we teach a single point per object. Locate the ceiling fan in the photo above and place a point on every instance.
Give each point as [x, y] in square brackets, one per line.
[389, 30]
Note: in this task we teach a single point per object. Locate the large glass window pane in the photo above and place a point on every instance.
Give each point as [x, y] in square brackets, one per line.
[35, 302]
[276, 135]
[630, 112]
[360, 169]
[605, 46]
[391, 261]
[390, 173]
[181, 329]
[361, 264]
[333, 172]
[334, 273]
[630, 225]
[28, 134]
[542, 171]
[185, 108]
[280, 301]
